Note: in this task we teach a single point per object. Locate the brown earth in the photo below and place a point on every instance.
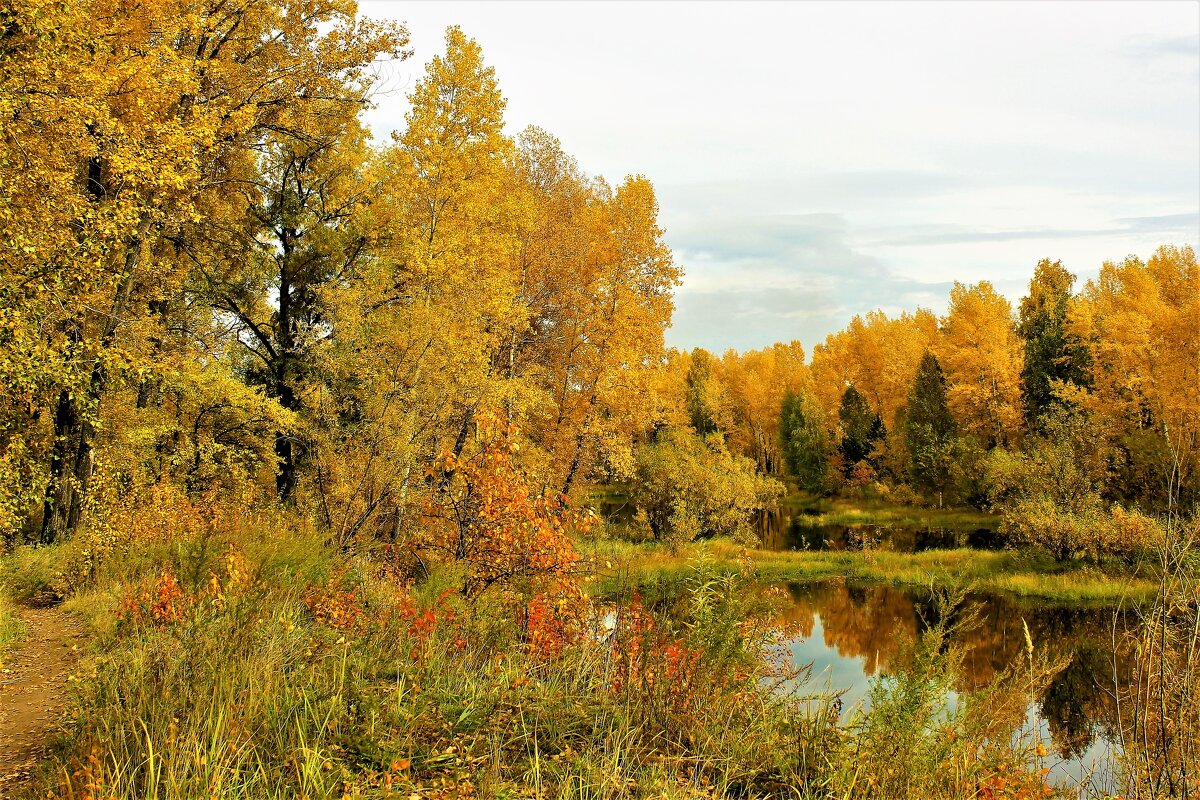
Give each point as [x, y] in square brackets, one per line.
[33, 692]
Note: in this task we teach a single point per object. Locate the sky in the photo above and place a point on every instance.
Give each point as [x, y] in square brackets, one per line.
[814, 161]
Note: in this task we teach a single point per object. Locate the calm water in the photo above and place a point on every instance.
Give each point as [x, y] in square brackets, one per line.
[791, 528]
[852, 634]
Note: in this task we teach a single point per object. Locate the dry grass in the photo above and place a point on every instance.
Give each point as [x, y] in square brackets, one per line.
[1019, 575]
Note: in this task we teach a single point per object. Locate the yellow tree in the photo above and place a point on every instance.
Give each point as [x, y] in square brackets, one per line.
[1141, 324]
[594, 280]
[114, 158]
[757, 382]
[96, 147]
[421, 329]
[617, 339]
[981, 355]
[878, 356]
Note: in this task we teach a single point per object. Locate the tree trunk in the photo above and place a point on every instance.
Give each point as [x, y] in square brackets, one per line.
[71, 457]
[574, 468]
[286, 449]
[285, 475]
[61, 494]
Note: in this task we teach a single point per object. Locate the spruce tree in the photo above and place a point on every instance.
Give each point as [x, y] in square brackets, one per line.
[1051, 353]
[929, 428]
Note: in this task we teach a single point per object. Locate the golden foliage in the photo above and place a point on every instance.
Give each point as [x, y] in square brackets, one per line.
[981, 357]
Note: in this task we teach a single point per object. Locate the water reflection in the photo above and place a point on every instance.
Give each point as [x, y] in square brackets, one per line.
[851, 633]
[788, 528]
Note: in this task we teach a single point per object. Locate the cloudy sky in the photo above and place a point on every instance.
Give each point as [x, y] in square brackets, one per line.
[814, 161]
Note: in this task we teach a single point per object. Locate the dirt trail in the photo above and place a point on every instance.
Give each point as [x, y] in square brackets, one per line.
[33, 695]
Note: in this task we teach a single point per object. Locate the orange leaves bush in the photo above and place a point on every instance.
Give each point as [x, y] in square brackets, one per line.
[416, 624]
[164, 601]
[161, 603]
[346, 608]
[337, 604]
[651, 662]
[550, 626]
[482, 513]
[1015, 782]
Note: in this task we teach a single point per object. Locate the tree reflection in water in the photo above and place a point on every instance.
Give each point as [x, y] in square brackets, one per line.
[786, 528]
[871, 624]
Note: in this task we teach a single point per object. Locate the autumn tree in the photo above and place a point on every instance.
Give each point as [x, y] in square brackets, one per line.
[419, 324]
[595, 281]
[876, 354]
[756, 384]
[1138, 321]
[982, 359]
[298, 235]
[1052, 356]
[499, 279]
[115, 159]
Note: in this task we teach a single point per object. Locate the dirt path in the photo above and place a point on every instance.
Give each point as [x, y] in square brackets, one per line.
[33, 695]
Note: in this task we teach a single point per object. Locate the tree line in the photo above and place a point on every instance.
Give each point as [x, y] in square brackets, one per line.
[1076, 402]
[214, 280]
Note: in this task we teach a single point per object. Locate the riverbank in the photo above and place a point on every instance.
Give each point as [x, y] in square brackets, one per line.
[1021, 575]
[255, 661]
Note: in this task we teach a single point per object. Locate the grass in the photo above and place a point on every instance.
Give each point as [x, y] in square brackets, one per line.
[27, 574]
[12, 630]
[1022, 575]
[280, 668]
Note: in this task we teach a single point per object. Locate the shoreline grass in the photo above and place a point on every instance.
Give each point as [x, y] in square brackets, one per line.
[267, 665]
[1020, 575]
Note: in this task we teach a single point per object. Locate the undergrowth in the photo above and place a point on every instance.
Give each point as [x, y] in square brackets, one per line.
[251, 660]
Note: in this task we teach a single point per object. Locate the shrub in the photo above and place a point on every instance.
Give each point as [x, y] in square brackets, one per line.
[1089, 532]
[688, 486]
[483, 515]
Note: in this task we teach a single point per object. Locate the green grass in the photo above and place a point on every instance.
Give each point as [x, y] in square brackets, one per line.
[12, 630]
[27, 574]
[1029, 576]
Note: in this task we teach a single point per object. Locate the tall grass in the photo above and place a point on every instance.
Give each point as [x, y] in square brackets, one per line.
[258, 663]
[1030, 575]
[12, 630]
[1159, 714]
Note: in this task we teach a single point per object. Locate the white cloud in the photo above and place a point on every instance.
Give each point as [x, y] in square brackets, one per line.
[817, 160]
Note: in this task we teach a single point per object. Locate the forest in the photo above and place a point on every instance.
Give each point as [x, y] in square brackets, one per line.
[333, 466]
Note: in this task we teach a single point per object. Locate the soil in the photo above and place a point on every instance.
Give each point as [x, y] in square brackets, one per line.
[33, 692]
